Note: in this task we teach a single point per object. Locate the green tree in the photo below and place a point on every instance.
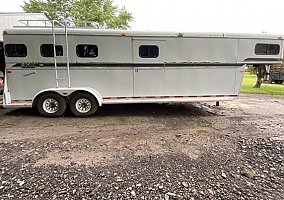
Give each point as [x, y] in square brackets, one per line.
[101, 11]
[260, 72]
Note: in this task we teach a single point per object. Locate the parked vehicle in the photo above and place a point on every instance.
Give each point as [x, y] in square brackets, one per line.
[94, 67]
[277, 75]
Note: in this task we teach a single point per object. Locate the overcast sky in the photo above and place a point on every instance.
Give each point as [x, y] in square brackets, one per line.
[197, 15]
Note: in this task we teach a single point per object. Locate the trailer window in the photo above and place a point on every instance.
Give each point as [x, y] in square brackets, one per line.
[267, 49]
[148, 51]
[87, 51]
[15, 50]
[46, 50]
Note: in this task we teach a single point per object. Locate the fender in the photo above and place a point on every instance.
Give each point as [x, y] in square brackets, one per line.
[68, 91]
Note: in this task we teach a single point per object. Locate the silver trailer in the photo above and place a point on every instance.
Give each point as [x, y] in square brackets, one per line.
[93, 67]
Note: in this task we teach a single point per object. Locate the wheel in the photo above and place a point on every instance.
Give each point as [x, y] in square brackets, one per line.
[51, 105]
[83, 104]
[279, 82]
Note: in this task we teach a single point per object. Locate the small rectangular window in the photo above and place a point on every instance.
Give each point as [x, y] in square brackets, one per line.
[267, 49]
[87, 50]
[148, 51]
[46, 50]
[15, 50]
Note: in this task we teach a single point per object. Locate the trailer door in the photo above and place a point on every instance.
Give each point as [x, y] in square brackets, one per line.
[149, 70]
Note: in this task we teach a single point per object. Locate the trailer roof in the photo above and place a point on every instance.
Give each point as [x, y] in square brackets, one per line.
[11, 19]
[132, 33]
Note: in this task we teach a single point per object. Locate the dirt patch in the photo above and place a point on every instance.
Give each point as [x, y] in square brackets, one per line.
[114, 148]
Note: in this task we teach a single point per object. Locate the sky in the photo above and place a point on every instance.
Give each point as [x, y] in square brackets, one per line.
[239, 16]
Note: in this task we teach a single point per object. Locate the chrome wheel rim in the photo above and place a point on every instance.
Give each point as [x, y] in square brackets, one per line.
[83, 105]
[50, 105]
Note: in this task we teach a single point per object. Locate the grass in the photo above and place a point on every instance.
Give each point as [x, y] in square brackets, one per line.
[250, 80]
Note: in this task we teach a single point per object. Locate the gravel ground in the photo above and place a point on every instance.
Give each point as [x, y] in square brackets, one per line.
[147, 151]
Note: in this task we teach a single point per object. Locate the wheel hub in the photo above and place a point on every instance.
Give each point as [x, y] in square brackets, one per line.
[83, 105]
[50, 105]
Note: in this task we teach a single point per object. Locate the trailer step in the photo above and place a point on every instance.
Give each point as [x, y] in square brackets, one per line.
[60, 44]
[61, 67]
[62, 79]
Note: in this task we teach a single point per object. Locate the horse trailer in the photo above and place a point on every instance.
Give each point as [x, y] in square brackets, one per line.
[54, 67]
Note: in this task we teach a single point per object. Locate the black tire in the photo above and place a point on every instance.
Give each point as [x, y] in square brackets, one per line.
[278, 82]
[51, 105]
[83, 104]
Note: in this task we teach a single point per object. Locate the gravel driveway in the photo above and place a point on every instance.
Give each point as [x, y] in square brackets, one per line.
[147, 151]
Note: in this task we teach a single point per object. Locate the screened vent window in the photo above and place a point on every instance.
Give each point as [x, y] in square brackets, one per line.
[148, 51]
[267, 49]
[87, 51]
[16, 50]
[47, 50]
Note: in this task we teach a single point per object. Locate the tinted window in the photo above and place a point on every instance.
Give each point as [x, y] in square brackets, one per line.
[148, 51]
[267, 49]
[86, 50]
[15, 50]
[46, 50]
